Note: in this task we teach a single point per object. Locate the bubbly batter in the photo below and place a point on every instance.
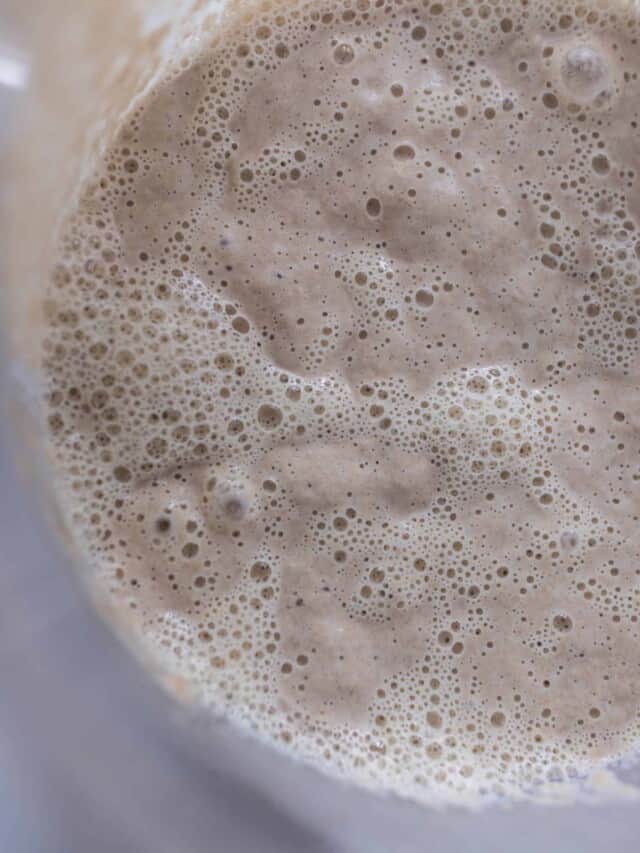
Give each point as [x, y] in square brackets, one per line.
[342, 384]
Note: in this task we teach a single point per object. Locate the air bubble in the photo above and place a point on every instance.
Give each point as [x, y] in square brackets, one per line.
[600, 164]
[343, 54]
[562, 623]
[585, 74]
[122, 474]
[424, 298]
[260, 572]
[374, 208]
[269, 417]
[403, 153]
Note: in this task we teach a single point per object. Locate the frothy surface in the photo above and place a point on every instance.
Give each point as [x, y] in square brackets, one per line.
[342, 358]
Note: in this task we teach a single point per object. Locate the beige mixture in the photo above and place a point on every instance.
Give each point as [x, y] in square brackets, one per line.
[342, 383]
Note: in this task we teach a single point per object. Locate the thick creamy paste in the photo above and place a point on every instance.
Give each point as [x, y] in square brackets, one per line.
[341, 368]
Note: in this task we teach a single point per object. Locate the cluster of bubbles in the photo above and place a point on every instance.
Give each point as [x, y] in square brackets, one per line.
[335, 350]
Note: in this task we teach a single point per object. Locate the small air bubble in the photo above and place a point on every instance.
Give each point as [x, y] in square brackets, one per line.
[269, 417]
[404, 152]
[374, 208]
[343, 54]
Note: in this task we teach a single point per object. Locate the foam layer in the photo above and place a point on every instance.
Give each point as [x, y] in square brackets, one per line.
[341, 361]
